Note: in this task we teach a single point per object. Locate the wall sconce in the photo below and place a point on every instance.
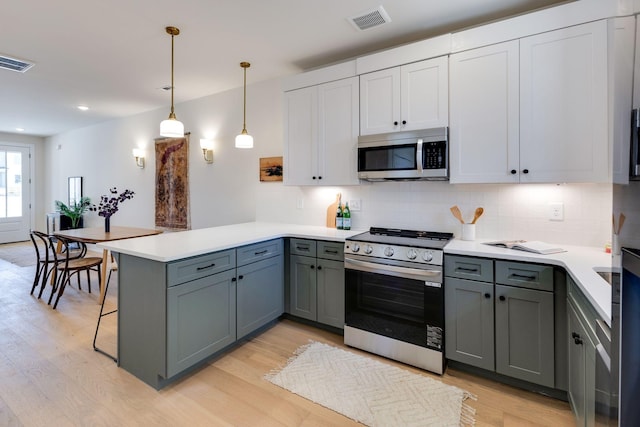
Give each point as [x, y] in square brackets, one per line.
[139, 155]
[207, 150]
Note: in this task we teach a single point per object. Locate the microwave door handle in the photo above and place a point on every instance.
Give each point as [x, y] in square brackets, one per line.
[635, 155]
[419, 155]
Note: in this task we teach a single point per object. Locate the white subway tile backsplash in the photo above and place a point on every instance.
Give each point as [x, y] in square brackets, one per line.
[511, 211]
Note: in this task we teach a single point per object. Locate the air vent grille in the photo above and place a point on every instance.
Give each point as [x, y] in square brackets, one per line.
[14, 64]
[370, 19]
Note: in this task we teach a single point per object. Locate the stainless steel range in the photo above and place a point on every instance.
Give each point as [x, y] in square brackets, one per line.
[394, 303]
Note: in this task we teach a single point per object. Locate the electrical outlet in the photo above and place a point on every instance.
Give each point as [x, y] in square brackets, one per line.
[354, 204]
[556, 211]
[300, 204]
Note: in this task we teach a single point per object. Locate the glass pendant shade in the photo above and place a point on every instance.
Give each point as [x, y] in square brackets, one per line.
[171, 128]
[244, 140]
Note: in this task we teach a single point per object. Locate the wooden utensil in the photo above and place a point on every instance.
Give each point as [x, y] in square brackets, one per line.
[455, 210]
[478, 213]
[621, 219]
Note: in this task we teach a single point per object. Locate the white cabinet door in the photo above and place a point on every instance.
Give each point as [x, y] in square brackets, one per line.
[484, 136]
[321, 134]
[564, 105]
[413, 96]
[338, 132]
[424, 94]
[380, 101]
[301, 136]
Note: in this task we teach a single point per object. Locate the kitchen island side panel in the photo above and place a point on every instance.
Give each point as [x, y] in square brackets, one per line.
[142, 318]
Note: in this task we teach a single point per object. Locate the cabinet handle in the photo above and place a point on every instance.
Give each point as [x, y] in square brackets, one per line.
[575, 335]
[302, 248]
[240, 277]
[261, 252]
[513, 171]
[327, 251]
[487, 295]
[206, 267]
[233, 279]
[525, 170]
[578, 341]
[312, 267]
[502, 298]
[319, 177]
[319, 267]
[313, 177]
[467, 270]
[395, 123]
[404, 122]
[521, 277]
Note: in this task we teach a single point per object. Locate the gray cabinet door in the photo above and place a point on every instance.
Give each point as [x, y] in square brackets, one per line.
[260, 294]
[469, 320]
[525, 334]
[201, 319]
[303, 287]
[330, 283]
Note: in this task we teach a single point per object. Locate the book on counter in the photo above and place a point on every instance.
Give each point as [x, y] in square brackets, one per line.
[529, 246]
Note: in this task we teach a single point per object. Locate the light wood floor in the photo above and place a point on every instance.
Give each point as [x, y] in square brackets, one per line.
[50, 375]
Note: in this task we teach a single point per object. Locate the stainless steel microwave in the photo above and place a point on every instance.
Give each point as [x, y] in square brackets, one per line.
[410, 155]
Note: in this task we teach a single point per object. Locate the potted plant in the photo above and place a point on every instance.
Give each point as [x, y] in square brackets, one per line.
[74, 211]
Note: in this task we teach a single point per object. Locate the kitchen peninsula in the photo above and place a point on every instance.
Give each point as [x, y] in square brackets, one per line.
[171, 286]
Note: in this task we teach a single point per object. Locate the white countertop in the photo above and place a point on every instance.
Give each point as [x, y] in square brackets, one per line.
[173, 246]
[580, 262]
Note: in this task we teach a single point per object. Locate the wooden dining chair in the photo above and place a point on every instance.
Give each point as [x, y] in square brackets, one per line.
[68, 266]
[47, 259]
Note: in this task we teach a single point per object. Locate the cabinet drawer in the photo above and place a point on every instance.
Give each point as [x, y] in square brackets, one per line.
[524, 275]
[201, 266]
[302, 247]
[330, 250]
[479, 269]
[256, 252]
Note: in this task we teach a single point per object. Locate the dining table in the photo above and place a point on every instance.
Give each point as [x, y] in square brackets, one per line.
[99, 235]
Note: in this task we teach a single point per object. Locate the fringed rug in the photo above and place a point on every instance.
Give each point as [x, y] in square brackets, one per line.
[372, 392]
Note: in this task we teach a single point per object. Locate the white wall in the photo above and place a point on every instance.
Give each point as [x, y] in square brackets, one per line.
[228, 191]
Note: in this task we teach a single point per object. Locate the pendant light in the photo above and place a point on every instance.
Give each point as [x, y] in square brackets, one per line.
[244, 140]
[171, 127]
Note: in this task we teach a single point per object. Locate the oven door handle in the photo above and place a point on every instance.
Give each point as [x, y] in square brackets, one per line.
[392, 270]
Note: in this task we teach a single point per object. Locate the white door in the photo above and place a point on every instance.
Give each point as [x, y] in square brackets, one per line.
[301, 137]
[15, 196]
[380, 102]
[424, 96]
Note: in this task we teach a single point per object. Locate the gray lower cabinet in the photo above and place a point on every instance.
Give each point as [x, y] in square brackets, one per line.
[316, 281]
[469, 322]
[525, 334]
[582, 357]
[260, 294]
[503, 323]
[201, 319]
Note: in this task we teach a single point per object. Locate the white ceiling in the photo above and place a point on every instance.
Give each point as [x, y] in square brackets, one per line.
[114, 56]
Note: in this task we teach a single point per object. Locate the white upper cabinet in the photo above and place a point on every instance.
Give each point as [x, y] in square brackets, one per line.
[413, 96]
[484, 134]
[533, 110]
[564, 105]
[321, 134]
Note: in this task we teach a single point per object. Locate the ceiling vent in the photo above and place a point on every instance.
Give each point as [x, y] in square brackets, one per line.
[370, 19]
[14, 64]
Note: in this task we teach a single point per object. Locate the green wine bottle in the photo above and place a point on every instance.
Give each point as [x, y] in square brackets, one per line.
[346, 217]
[339, 216]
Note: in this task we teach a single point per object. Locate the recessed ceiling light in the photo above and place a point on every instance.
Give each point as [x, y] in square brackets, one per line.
[20, 129]
[83, 107]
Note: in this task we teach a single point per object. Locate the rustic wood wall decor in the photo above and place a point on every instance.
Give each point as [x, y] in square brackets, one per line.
[172, 183]
[271, 168]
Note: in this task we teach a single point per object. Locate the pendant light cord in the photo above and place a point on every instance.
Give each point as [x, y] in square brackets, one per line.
[244, 111]
[172, 113]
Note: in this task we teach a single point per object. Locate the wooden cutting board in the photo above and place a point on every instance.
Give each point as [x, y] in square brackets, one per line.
[331, 212]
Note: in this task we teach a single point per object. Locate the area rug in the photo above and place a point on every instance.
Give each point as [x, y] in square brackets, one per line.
[21, 254]
[371, 392]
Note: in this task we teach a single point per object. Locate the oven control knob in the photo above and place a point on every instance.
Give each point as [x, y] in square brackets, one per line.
[355, 247]
[412, 254]
[427, 256]
[368, 249]
[388, 251]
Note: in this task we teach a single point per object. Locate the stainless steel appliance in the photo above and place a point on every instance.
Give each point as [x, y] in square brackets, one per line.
[411, 155]
[634, 164]
[394, 302]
